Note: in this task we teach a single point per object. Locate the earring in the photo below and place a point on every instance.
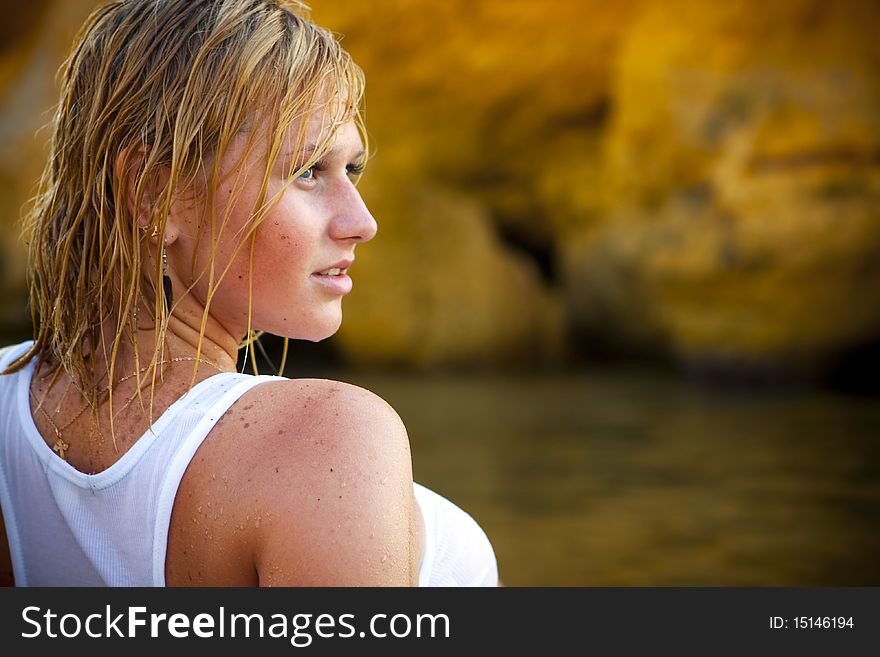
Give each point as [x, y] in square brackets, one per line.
[154, 233]
[166, 282]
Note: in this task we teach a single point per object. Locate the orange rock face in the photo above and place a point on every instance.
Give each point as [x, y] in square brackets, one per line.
[740, 222]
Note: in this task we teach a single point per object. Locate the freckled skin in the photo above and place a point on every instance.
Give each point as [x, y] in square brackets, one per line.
[313, 226]
[324, 466]
[357, 508]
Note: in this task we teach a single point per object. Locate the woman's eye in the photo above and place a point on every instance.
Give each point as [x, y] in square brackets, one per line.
[308, 175]
[354, 171]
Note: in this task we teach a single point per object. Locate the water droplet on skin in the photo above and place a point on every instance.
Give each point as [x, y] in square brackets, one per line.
[384, 558]
[342, 485]
[385, 481]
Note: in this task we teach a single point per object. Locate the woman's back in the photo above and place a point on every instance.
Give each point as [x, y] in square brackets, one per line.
[245, 496]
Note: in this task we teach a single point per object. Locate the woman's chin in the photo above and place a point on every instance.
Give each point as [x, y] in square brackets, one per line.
[319, 325]
[319, 330]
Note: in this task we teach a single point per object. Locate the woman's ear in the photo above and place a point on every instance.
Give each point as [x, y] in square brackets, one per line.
[129, 168]
[142, 193]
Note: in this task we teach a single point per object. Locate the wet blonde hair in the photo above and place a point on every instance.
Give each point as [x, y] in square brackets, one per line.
[152, 95]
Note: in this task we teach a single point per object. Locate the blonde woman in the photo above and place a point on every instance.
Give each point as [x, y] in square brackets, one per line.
[201, 189]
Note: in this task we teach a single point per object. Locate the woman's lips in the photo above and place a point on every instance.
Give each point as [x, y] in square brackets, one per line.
[338, 284]
[335, 278]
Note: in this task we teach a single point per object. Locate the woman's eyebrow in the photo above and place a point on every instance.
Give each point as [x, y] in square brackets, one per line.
[309, 148]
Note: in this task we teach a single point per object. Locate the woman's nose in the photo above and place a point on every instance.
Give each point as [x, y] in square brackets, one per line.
[353, 219]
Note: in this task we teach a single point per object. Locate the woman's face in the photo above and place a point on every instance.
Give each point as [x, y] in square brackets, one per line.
[303, 248]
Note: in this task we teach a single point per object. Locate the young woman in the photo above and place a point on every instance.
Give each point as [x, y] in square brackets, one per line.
[201, 189]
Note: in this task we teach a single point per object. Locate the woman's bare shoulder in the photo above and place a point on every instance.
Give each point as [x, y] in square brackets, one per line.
[320, 472]
[292, 418]
[321, 417]
[333, 477]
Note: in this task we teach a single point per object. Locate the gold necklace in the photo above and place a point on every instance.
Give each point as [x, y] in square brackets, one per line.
[61, 447]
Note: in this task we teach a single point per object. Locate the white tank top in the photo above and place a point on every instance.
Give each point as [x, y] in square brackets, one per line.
[68, 528]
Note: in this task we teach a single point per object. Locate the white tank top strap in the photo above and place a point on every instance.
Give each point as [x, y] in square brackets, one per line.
[190, 426]
[10, 353]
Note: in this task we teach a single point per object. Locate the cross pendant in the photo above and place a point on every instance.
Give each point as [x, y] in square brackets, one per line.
[60, 447]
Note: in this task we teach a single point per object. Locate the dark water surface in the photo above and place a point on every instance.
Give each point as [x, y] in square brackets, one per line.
[622, 479]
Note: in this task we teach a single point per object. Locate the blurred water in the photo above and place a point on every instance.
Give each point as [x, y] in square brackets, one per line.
[623, 479]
